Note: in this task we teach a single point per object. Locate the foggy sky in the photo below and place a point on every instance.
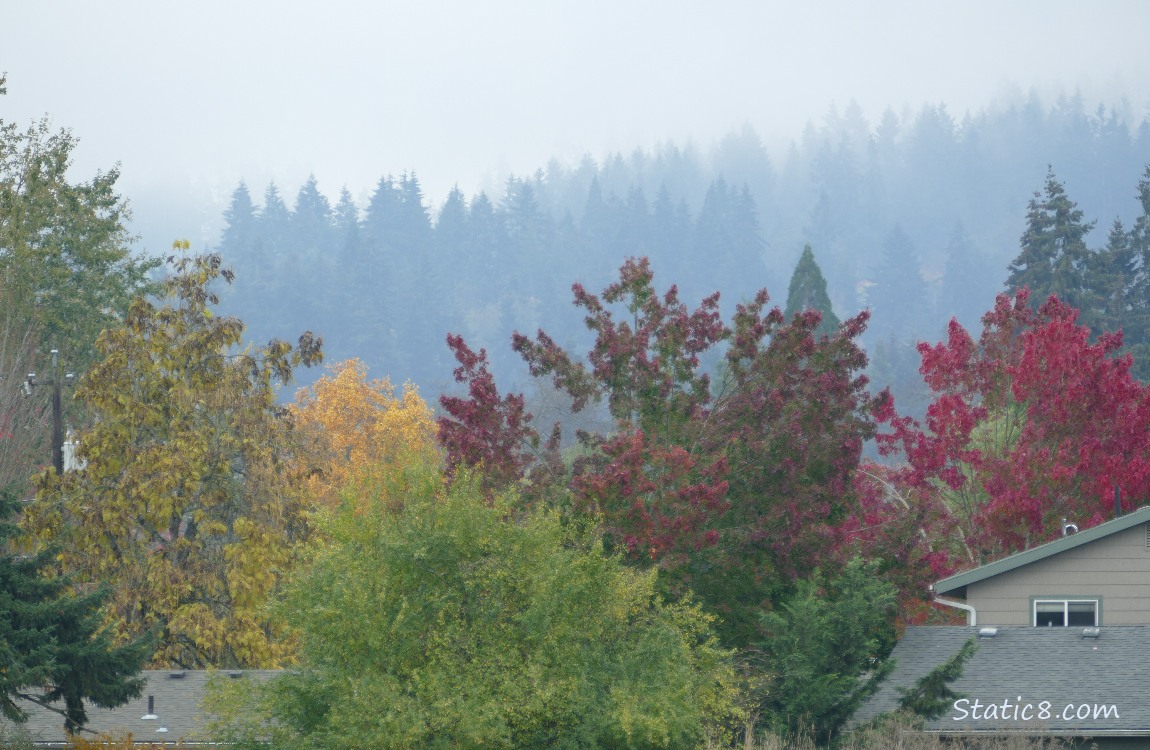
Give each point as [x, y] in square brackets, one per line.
[189, 98]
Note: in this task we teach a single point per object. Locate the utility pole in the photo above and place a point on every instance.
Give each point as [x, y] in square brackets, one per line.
[57, 384]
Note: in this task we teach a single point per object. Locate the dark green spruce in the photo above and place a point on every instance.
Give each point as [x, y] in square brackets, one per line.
[51, 647]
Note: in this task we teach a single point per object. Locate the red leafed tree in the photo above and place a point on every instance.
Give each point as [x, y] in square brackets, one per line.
[485, 430]
[733, 485]
[1030, 425]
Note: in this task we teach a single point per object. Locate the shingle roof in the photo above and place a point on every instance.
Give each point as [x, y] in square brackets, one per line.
[1041, 552]
[176, 701]
[1027, 666]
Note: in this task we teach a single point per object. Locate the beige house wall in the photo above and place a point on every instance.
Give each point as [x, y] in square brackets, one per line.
[1114, 569]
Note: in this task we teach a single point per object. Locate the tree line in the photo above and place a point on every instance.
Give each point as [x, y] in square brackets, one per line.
[906, 214]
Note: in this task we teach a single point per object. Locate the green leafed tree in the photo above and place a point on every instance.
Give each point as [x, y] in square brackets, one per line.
[808, 291]
[64, 256]
[435, 618]
[186, 508]
[53, 650]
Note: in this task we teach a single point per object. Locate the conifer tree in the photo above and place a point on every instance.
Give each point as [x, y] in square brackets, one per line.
[52, 648]
[1054, 258]
[808, 291]
[898, 297]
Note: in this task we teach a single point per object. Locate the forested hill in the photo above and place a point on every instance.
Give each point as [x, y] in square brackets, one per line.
[917, 216]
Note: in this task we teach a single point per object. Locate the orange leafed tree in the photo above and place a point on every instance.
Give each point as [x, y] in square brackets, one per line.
[359, 428]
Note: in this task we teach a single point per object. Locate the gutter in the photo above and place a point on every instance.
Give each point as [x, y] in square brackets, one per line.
[973, 616]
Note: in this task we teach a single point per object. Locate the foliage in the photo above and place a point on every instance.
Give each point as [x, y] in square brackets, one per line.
[356, 424]
[901, 731]
[186, 508]
[931, 695]
[121, 742]
[732, 489]
[827, 645]
[435, 617]
[52, 646]
[808, 291]
[1054, 259]
[486, 430]
[25, 423]
[63, 244]
[1030, 425]
[66, 272]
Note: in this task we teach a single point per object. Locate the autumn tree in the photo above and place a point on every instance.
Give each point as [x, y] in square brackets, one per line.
[446, 618]
[732, 488]
[1031, 424]
[186, 508]
[489, 431]
[358, 425]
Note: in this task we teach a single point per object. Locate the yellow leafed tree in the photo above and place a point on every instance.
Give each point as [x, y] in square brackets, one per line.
[187, 509]
[359, 428]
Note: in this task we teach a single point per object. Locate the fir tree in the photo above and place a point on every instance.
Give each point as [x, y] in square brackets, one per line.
[898, 297]
[1054, 258]
[808, 291]
[51, 646]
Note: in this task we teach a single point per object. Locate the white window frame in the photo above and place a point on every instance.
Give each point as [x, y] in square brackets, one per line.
[1065, 602]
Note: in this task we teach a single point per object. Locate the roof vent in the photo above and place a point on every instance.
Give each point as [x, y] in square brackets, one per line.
[177, 675]
[235, 674]
[1068, 528]
[1091, 632]
[987, 632]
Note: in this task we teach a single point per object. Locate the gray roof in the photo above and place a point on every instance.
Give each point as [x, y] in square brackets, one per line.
[1027, 666]
[176, 700]
[1043, 551]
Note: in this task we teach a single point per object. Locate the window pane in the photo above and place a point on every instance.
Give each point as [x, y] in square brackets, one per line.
[1083, 613]
[1049, 613]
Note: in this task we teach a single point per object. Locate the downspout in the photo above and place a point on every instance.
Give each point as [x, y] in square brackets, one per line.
[973, 619]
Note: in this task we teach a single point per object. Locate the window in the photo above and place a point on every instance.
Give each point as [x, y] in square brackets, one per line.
[1065, 612]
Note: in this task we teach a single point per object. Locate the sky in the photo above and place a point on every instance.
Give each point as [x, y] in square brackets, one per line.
[190, 98]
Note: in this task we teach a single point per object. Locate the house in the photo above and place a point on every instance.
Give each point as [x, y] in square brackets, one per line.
[1063, 641]
[168, 710]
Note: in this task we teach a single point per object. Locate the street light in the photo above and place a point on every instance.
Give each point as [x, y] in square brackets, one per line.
[57, 384]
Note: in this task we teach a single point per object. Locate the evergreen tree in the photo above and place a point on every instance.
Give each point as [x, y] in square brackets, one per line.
[1054, 257]
[311, 221]
[274, 221]
[1109, 277]
[345, 220]
[52, 648]
[1137, 331]
[898, 297]
[312, 240]
[808, 291]
[967, 290]
[240, 230]
[451, 226]
[671, 233]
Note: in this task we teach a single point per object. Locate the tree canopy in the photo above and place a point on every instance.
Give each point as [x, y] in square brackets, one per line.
[724, 485]
[186, 508]
[440, 617]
